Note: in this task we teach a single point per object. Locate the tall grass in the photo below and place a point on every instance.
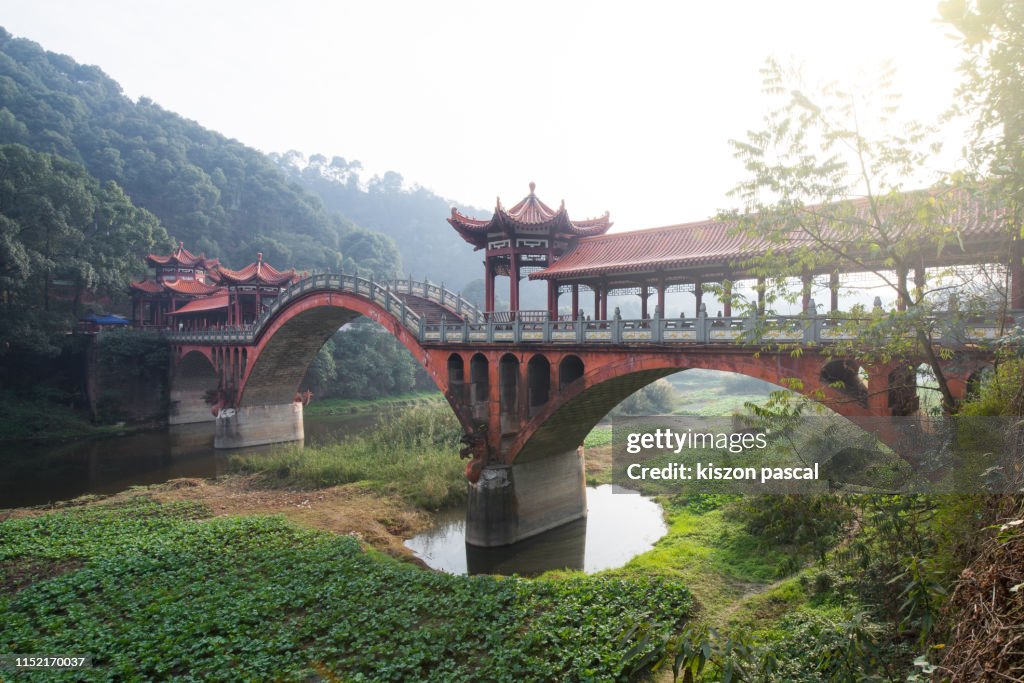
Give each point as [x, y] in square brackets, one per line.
[413, 453]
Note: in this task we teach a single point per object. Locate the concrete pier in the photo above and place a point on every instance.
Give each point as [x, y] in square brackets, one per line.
[511, 503]
[259, 425]
[189, 406]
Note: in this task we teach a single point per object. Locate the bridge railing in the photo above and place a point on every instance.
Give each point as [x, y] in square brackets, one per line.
[381, 294]
[810, 329]
[439, 294]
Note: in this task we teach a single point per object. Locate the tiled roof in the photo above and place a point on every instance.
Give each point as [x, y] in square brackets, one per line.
[258, 272]
[183, 257]
[532, 213]
[148, 286]
[674, 246]
[190, 287]
[207, 303]
[714, 243]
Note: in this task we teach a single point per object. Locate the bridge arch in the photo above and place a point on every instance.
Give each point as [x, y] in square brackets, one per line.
[194, 386]
[565, 421]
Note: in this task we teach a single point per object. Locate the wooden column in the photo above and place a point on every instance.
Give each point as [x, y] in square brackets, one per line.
[661, 298]
[552, 300]
[597, 300]
[575, 301]
[1017, 276]
[513, 288]
[727, 295]
[488, 286]
[833, 286]
[643, 302]
[901, 278]
[698, 296]
[604, 301]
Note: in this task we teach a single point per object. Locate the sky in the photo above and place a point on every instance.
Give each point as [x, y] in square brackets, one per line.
[611, 106]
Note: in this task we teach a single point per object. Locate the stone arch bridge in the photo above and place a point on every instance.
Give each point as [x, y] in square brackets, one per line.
[525, 391]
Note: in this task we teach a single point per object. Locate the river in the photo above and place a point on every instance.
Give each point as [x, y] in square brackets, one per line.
[618, 525]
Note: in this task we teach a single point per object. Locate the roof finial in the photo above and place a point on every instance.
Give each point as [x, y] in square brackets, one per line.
[533, 186]
[259, 256]
[181, 244]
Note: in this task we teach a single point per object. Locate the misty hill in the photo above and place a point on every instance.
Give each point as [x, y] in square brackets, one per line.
[414, 218]
[218, 195]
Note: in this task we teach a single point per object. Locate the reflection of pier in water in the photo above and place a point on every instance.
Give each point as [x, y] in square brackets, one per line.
[618, 526]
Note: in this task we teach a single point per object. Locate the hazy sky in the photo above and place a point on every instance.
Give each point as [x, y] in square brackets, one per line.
[626, 107]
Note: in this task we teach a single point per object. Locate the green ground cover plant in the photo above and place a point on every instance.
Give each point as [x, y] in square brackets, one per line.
[155, 591]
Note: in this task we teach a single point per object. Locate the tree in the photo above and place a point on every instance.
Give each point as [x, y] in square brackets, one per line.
[827, 190]
[992, 34]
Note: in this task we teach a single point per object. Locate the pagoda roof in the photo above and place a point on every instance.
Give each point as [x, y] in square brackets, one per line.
[718, 243]
[179, 286]
[182, 257]
[672, 246]
[190, 287]
[207, 303]
[258, 272]
[529, 214]
[148, 286]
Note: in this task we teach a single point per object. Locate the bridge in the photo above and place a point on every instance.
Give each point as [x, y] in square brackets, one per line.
[528, 386]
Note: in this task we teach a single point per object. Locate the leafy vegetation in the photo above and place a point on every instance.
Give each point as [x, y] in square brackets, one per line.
[156, 591]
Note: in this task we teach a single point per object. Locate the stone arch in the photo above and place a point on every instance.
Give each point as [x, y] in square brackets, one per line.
[479, 386]
[847, 377]
[508, 393]
[570, 369]
[193, 389]
[568, 418]
[457, 377]
[289, 342]
[538, 383]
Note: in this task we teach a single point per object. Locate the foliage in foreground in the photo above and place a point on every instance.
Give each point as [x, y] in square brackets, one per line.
[154, 592]
[412, 452]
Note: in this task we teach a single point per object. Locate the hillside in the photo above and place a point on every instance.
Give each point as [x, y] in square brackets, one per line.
[218, 195]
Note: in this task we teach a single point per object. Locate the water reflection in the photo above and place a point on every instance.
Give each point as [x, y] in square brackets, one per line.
[40, 473]
[617, 528]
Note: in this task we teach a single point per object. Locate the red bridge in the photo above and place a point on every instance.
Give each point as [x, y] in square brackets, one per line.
[528, 386]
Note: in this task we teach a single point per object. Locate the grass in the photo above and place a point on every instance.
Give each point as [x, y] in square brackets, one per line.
[35, 419]
[713, 556]
[160, 592]
[349, 406]
[413, 454]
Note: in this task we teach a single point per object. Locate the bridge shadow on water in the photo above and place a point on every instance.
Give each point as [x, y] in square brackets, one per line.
[618, 527]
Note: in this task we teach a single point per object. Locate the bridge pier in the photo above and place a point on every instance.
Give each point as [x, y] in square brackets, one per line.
[259, 425]
[188, 406]
[510, 503]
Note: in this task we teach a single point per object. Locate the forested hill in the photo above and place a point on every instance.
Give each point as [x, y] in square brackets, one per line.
[414, 217]
[216, 194]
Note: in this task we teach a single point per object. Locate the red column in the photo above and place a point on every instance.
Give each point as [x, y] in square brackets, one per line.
[661, 298]
[575, 301]
[513, 288]
[604, 301]
[597, 301]
[1017, 278]
[698, 296]
[488, 286]
[643, 302]
[552, 300]
[727, 295]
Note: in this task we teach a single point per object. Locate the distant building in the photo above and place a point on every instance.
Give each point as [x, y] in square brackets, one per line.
[196, 293]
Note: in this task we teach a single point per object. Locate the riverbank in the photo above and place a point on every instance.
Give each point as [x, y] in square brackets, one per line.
[352, 406]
